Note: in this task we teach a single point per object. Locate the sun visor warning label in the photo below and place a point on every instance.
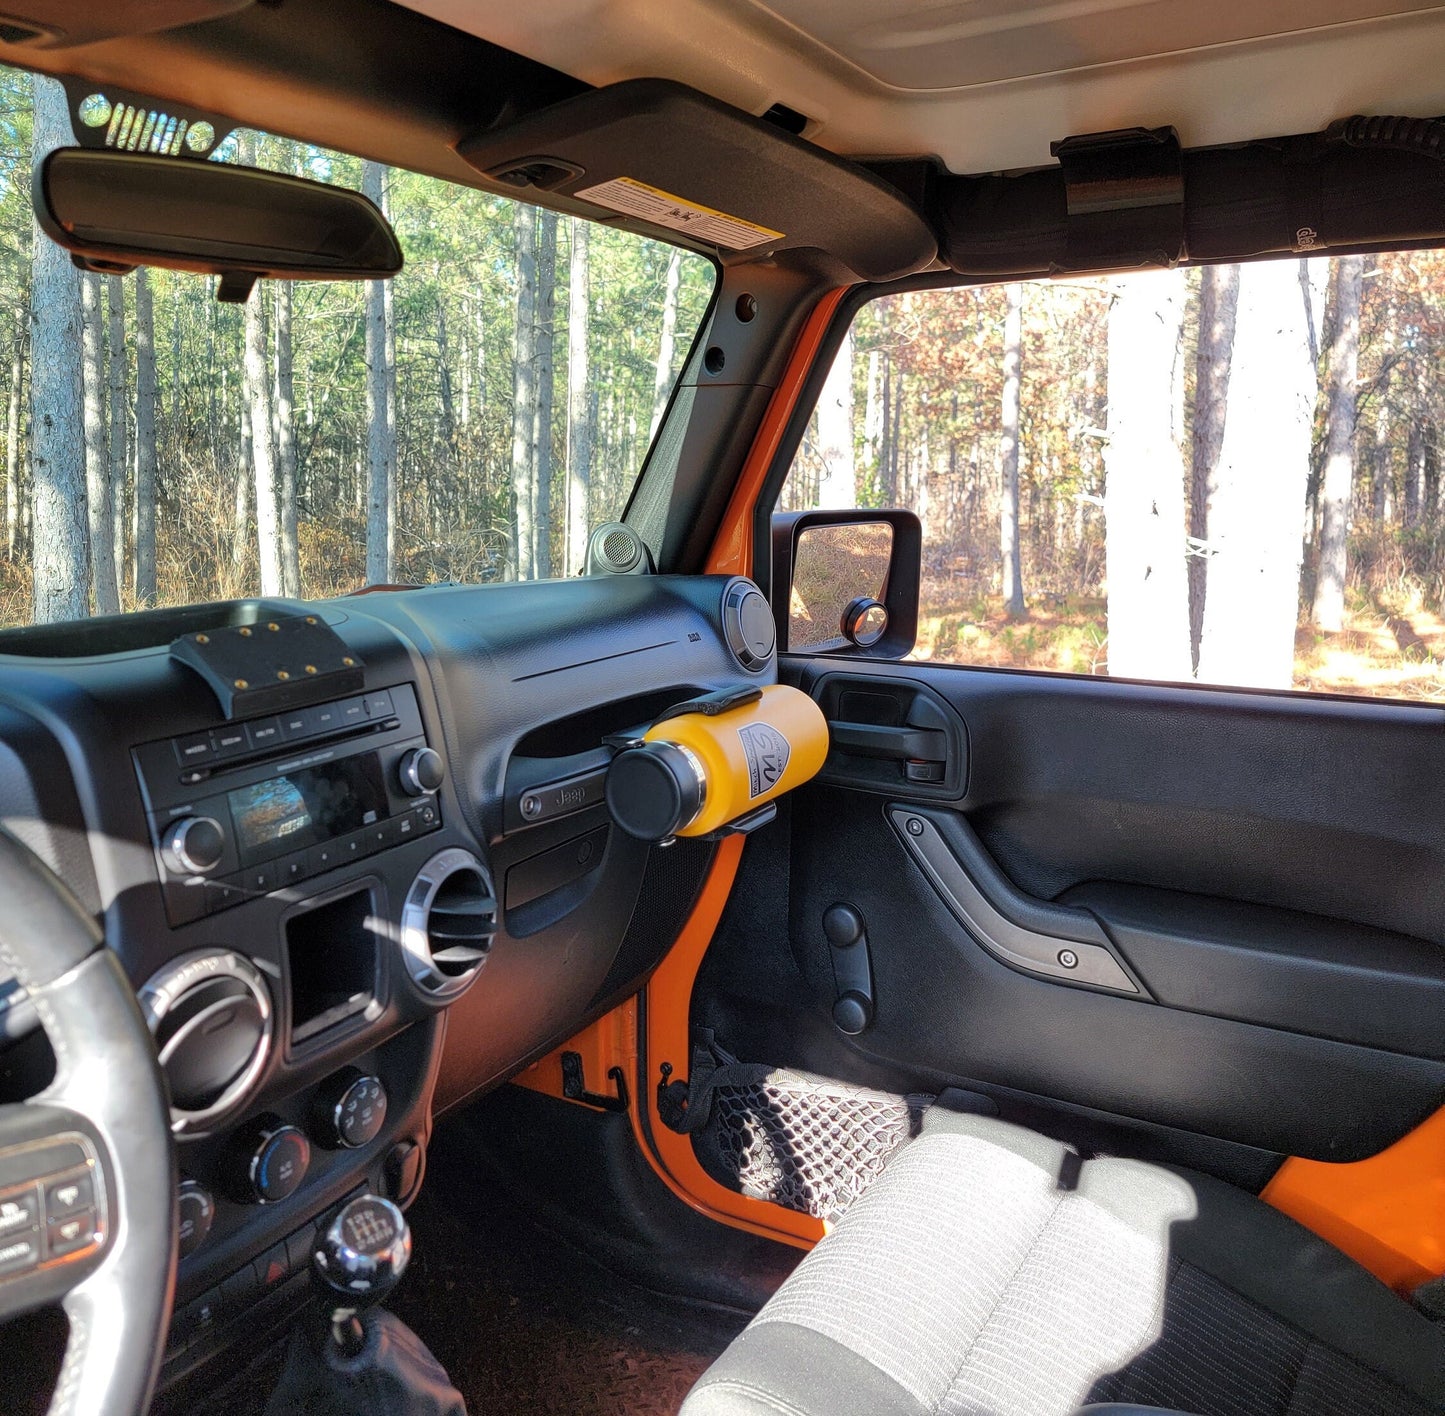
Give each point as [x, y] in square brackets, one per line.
[767, 752]
[633, 198]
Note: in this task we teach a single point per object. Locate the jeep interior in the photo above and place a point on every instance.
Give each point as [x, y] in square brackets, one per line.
[725, 706]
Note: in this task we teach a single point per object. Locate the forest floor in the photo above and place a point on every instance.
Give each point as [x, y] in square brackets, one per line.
[1392, 646]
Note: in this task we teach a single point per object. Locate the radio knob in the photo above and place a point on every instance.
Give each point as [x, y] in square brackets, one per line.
[421, 771]
[194, 845]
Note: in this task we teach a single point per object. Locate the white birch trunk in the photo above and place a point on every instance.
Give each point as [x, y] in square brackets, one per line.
[284, 413]
[1257, 520]
[1144, 482]
[119, 424]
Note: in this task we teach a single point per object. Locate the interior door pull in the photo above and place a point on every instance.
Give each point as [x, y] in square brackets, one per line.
[895, 744]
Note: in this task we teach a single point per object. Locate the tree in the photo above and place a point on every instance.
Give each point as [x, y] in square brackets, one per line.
[100, 507]
[1253, 603]
[1218, 306]
[662, 376]
[524, 393]
[116, 407]
[284, 412]
[1008, 455]
[1144, 486]
[838, 486]
[579, 401]
[145, 441]
[60, 570]
[1339, 476]
[13, 463]
[542, 420]
[381, 490]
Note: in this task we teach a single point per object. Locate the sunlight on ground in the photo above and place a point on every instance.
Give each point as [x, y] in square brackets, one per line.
[1393, 650]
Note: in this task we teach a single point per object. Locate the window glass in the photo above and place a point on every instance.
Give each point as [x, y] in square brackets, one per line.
[510, 377]
[1227, 475]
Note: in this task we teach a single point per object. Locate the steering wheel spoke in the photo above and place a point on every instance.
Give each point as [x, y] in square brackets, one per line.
[55, 1216]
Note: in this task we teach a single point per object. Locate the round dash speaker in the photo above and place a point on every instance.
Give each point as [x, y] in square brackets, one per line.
[616, 549]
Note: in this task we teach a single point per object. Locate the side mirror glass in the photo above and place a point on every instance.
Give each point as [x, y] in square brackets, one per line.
[116, 210]
[846, 582]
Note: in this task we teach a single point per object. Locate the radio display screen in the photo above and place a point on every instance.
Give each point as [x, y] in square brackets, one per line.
[308, 806]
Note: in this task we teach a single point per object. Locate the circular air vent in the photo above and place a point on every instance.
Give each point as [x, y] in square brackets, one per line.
[448, 923]
[210, 1015]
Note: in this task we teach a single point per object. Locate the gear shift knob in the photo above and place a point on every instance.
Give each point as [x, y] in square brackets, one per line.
[360, 1255]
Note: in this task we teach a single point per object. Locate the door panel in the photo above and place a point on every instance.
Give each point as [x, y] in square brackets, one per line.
[1268, 870]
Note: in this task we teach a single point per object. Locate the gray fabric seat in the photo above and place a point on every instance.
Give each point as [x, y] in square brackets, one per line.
[990, 1271]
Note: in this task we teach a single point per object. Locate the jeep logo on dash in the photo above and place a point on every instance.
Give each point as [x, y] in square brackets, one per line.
[568, 797]
[767, 752]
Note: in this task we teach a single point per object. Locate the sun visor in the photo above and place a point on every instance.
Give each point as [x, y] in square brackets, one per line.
[1364, 184]
[59, 24]
[663, 159]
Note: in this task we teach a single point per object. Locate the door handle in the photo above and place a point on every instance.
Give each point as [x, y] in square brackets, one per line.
[894, 744]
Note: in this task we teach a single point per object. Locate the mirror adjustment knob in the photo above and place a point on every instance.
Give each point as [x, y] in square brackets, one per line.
[362, 1252]
[421, 771]
[273, 1160]
[194, 845]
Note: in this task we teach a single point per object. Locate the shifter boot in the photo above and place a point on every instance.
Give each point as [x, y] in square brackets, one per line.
[392, 1374]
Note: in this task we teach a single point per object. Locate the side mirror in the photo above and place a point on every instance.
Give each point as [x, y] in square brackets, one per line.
[116, 210]
[847, 582]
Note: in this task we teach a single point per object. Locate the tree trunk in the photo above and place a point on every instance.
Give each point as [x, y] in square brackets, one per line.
[524, 392]
[837, 487]
[542, 434]
[579, 400]
[60, 560]
[1144, 483]
[1008, 454]
[119, 423]
[662, 377]
[1218, 306]
[380, 409]
[145, 441]
[1329, 607]
[285, 416]
[13, 463]
[1255, 527]
[100, 508]
[241, 525]
[873, 416]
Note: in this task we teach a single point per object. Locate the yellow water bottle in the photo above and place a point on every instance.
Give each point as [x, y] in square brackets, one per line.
[715, 760]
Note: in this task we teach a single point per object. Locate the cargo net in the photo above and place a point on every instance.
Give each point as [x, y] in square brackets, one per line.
[806, 1143]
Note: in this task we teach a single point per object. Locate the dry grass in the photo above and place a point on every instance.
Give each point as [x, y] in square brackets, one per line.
[1392, 646]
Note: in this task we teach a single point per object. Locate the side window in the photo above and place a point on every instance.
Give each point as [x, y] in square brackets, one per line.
[1227, 475]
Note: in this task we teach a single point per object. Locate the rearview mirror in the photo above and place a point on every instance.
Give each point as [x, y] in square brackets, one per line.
[116, 210]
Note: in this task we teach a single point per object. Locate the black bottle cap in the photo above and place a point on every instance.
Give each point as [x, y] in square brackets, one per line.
[653, 791]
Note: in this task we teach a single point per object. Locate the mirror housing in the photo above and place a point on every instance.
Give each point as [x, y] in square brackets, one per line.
[830, 565]
[114, 211]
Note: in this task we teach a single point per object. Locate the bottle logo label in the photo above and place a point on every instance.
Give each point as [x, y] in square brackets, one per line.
[767, 752]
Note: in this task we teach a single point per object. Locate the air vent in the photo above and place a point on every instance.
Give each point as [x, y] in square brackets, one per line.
[210, 1015]
[448, 923]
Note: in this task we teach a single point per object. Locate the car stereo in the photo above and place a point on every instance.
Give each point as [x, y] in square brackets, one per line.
[252, 807]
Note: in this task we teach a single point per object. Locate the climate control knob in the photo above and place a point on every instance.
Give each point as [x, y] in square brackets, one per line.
[352, 1110]
[271, 1160]
[194, 845]
[421, 771]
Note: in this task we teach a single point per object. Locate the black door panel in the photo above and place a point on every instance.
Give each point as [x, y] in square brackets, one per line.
[1269, 870]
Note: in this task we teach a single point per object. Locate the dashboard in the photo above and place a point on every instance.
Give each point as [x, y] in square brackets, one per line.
[356, 899]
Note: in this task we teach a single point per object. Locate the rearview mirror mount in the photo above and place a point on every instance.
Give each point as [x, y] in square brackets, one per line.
[114, 211]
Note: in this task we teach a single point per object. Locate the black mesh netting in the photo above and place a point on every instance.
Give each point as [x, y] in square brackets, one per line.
[806, 1143]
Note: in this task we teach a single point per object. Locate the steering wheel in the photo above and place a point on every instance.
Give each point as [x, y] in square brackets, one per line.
[87, 1167]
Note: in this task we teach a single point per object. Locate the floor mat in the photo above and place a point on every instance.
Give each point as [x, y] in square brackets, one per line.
[524, 1323]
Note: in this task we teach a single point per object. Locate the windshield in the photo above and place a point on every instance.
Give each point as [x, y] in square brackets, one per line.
[469, 421]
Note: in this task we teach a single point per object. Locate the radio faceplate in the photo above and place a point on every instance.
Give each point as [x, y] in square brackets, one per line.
[244, 809]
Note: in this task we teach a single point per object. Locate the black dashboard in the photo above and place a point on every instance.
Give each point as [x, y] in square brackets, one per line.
[346, 914]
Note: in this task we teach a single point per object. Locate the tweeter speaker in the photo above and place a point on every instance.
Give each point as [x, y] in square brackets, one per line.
[616, 549]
